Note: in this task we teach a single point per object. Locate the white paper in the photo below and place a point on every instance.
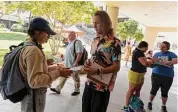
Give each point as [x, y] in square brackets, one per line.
[77, 68]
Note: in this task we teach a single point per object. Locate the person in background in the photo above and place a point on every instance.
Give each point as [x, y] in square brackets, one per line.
[162, 74]
[106, 50]
[137, 72]
[127, 51]
[71, 61]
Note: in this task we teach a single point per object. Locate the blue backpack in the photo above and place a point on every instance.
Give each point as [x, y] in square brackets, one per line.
[12, 84]
[136, 104]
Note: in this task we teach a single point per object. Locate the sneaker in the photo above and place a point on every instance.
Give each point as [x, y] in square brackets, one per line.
[164, 109]
[54, 90]
[75, 93]
[127, 109]
[150, 106]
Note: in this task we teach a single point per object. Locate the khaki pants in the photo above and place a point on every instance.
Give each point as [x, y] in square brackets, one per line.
[76, 79]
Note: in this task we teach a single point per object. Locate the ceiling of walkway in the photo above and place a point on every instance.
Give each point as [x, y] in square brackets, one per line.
[149, 13]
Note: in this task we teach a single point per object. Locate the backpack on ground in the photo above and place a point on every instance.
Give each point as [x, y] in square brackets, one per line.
[12, 84]
[136, 104]
[84, 55]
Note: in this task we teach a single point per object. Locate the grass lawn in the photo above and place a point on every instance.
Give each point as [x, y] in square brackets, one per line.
[47, 53]
[13, 36]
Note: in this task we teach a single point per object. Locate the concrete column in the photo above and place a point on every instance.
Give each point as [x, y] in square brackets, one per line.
[152, 32]
[113, 13]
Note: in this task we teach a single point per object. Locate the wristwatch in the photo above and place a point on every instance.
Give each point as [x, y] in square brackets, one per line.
[99, 72]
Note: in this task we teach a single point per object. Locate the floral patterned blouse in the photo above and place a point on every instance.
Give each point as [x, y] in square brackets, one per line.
[106, 51]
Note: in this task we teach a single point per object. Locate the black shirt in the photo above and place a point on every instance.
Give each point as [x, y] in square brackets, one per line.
[136, 65]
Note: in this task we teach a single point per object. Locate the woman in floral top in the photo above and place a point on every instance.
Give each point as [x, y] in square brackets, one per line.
[106, 50]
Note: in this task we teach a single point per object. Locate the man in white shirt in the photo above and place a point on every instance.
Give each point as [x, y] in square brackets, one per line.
[70, 60]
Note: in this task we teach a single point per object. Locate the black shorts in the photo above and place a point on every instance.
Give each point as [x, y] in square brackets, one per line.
[162, 82]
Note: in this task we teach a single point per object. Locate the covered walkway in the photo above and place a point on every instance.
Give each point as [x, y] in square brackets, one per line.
[67, 103]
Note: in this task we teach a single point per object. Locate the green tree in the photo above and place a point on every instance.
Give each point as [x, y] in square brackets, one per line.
[5, 8]
[59, 11]
[138, 35]
[129, 30]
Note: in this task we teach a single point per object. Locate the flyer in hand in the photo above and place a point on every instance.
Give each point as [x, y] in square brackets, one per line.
[77, 68]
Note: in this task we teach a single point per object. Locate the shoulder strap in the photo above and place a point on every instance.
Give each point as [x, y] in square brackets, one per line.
[74, 47]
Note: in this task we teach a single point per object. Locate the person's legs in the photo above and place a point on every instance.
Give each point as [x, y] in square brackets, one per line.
[139, 87]
[86, 99]
[58, 88]
[126, 59]
[100, 101]
[61, 84]
[166, 85]
[94, 101]
[29, 101]
[156, 83]
[40, 100]
[132, 89]
[76, 79]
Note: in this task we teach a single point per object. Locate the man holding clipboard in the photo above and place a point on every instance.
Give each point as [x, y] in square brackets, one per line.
[102, 67]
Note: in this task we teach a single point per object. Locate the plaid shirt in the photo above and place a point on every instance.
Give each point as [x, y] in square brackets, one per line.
[107, 50]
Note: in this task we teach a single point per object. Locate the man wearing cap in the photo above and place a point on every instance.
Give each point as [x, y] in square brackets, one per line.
[71, 61]
[34, 68]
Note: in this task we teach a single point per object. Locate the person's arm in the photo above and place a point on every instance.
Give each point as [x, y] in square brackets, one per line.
[37, 69]
[79, 56]
[115, 67]
[144, 61]
[173, 61]
[35, 72]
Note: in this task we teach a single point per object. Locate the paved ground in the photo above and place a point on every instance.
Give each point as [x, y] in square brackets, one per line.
[66, 103]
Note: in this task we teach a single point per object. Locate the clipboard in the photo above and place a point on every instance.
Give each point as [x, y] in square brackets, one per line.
[104, 79]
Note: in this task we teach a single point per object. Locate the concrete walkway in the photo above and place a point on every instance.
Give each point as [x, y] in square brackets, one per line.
[67, 103]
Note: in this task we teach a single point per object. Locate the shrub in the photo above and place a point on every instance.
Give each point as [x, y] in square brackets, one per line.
[17, 28]
[2, 25]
